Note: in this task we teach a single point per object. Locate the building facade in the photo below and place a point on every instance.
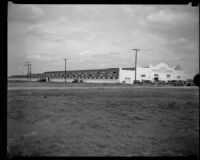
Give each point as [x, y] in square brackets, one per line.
[160, 72]
[110, 75]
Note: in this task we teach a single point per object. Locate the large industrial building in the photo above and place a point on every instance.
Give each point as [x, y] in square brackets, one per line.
[160, 72]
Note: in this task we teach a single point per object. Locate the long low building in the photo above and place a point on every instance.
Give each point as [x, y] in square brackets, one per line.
[160, 72]
[110, 75]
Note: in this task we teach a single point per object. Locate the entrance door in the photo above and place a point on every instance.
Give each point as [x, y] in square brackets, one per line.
[156, 77]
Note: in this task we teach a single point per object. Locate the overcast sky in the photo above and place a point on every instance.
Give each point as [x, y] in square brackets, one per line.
[101, 36]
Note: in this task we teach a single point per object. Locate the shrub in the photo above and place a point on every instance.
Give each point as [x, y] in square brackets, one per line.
[197, 80]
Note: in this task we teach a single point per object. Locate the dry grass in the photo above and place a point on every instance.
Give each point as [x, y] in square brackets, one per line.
[103, 122]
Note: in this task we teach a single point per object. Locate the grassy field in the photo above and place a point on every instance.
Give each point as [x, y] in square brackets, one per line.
[62, 84]
[102, 121]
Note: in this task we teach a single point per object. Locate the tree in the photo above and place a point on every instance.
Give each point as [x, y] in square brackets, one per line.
[197, 80]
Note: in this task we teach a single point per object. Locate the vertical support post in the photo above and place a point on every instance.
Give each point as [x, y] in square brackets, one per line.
[65, 70]
[136, 63]
[28, 64]
[30, 72]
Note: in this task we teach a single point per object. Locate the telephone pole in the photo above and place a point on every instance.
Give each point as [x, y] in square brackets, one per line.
[65, 69]
[28, 64]
[136, 62]
[30, 71]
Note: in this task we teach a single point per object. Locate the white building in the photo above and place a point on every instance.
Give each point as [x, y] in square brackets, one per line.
[160, 72]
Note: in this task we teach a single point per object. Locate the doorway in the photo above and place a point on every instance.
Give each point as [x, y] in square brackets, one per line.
[156, 77]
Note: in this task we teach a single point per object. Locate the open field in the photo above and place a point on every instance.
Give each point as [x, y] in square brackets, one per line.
[16, 85]
[102, 121]
[20, 84]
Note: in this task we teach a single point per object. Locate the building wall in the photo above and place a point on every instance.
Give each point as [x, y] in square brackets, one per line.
[86, 80]
[34, 77]
[162, 71]
[17, 79]
[110, 75]
[23, 79]
[101, 81]
[88, 76]
[143, 73]
[179, 75]
[59, 80]
[126, 76]
[162, 75]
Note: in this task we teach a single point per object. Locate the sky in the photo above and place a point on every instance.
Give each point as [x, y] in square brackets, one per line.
[101, 36]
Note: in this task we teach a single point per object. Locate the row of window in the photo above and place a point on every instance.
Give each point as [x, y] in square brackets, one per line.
[68, 77]
[156, 75]
[85, 78]
[25, 76]
[79, 74]
[92, 73]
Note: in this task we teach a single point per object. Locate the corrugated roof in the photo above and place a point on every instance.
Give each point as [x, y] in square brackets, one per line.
[128, 69]
[84, 70]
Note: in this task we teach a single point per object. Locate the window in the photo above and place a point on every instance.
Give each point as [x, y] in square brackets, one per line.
[168, 75]
[178, 76]
[155, 75]
[143, 75]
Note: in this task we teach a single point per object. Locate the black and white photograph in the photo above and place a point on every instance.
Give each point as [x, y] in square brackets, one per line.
[102, 80]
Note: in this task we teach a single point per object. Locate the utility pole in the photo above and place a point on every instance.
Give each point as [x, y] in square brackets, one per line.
[136, 63]
[30, 71]
[28, 64]
[27, 70]
[65, 69]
